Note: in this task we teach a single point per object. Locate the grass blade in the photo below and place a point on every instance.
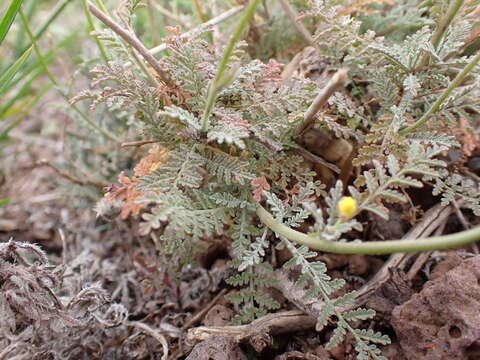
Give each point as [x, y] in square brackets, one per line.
[8, 75]
[8, 18]
[4, 201]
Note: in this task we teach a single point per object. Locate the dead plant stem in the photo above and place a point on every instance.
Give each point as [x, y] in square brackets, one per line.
[130, 39]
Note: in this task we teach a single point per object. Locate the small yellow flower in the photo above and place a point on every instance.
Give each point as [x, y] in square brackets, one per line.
[347, 206]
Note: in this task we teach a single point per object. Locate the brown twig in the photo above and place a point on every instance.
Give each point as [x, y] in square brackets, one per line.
[317, 159]
[198, 316]
[431, 220]
[273, 324]
[202, 27]
[465, 223]
[293, 17]
[423, 257]
[165, 12]
[131, 39]
[337, 81]
[70, 177]
[139, 143]
[297, 296]
[153, 333]
[290, 68]
[460, 215]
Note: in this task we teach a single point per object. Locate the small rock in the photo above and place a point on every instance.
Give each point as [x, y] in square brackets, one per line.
[443, 320]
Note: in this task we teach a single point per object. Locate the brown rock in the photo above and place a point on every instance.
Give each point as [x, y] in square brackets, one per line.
[443, 320]
[217, 348]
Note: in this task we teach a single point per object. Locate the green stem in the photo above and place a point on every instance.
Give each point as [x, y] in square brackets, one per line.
[445, 23]
[102, 6]
[426, 3]
[51, 18]
[91, 28]
[436, 105]
[213, 89]
[372, 247]
[442, 26]
[54, 81]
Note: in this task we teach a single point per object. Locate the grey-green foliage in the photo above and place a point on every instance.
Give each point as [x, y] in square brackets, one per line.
[457, 187]
[381, 185]
[212, 179]
[320, 285]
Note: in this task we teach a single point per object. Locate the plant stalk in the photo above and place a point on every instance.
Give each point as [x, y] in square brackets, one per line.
[213, 89]
[130, 39]
[91, 28]
[446, 21]
[57, 10]
[442, 26]
[436, 105]
[372, 247]
[200, 28]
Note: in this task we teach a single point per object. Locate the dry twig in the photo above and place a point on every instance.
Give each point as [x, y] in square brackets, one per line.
[273, 324]
[317, 159]
[153, 333]
[201, 28]
[198, 316]
[432, 219]
[337, 81]
[70, 177]
[139, 143]
[131, 39]
[293, 17]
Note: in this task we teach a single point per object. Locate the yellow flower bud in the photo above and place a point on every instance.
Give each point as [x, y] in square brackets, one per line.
[347, 206]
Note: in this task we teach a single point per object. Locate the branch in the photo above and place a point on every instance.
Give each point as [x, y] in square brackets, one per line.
[139, 143]
[337, 81]
[153, 333]
[201, 28]
[222, 66]
[372, 247]
[131, 40]
[441, 27]
[279, 323]
[297, 24]
[70, 177]
[317, 159]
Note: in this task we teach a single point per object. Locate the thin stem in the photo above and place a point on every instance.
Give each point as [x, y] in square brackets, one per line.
[129, 50]
[51, 18]
[165, 12]
[54, 81]
[139, 143]
[131, 40]
[91, 28]
[292, 16]
[152, 18]
[199, 11]
[337, 81]
[101, 6]
[372, 247]
[445, 22]
[201, 28]
[442, 26]
[436, 105]
[213, 91]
